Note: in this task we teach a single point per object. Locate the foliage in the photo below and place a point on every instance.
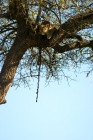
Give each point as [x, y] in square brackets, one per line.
[70, 43]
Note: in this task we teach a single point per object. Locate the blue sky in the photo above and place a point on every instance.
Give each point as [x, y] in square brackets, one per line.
[62, 112]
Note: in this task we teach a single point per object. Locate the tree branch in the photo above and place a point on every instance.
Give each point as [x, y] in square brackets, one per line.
[5, 15]
[78, 22]
[72, 46]
[71, 26]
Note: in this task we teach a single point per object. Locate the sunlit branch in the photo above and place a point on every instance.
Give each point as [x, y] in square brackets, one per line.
[73, 25]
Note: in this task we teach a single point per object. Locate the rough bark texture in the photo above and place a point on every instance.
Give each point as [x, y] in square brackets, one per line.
[11, 63]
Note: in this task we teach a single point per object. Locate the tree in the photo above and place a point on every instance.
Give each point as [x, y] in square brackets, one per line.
[43, 37]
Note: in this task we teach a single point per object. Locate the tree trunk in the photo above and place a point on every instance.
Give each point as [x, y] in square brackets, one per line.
[11, 63]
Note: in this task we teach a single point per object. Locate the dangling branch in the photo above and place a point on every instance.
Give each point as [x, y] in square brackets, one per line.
[38, 15]
[39, 63]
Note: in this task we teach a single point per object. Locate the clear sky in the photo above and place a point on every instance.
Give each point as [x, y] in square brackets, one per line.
[62, 112]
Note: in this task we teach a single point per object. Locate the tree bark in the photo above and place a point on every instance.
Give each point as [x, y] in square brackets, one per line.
[72, 26]
[11, 63]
